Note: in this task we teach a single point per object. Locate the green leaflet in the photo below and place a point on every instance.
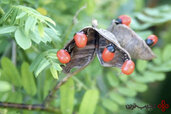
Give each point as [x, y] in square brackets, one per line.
[30, 23]
[54, 72]
[110, 105]
[67, 92]
[43, 64]
[4, 86]
[89, 102]
[117, 98]
[7, 29]
[127, 92]
[28, 79]
[41, 29]
[141, 65]
[166, 53]
[22, 40]
[10, 71]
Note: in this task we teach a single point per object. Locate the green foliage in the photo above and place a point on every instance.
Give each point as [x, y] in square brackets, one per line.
[89, 102]
[67, 92]
[95, 90]
[10, 72]
[26, 22]
[28, 79]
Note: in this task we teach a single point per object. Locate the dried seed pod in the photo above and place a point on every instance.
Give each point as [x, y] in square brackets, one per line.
[98, 39]
[131, 42]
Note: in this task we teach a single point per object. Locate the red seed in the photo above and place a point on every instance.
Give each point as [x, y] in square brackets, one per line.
[128, 67]
[63, 56]
[107, 55]
[125, 19]
[154, 38]
[80, 39]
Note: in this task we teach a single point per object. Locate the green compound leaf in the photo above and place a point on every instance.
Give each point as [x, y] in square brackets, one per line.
[67, 92]
[28, 79]
[89, 102]
[10, 71]
[22, 40]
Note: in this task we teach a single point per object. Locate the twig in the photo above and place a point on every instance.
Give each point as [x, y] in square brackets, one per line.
[51, 94]
[14, 55]
[37, 107]
[74, 21]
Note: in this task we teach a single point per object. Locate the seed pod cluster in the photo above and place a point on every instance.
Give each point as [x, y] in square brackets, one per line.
[114, 47]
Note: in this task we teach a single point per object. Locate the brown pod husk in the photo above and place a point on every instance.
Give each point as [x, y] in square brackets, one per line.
[131, 42]
[104, 39]
[98, 39]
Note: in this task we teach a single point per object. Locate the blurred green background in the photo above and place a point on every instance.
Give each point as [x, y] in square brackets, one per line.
[96, 89]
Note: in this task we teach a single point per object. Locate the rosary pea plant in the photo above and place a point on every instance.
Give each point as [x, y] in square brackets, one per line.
[30, 73]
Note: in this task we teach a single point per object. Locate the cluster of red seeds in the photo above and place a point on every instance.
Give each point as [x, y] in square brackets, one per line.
[80, 40]
[108, 52]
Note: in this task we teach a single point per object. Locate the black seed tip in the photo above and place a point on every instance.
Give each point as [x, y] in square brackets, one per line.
[111, 48]
[118, 21]
[149, 42]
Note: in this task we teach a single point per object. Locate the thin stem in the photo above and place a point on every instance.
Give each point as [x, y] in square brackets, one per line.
[52, 93]
[81, 83]
[14, 52]
[38, 107]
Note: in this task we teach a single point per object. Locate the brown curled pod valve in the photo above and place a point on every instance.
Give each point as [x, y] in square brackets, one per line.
[131, 42]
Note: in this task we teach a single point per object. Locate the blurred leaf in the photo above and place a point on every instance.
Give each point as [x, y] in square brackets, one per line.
[54, 72]
[165, 67]
[67, 92]
[141, 65]
[42, 11]
[30, 24]
[166, 53]
[100, 110]
[113, 80]
[11, 71]
[22, 40]
[7, 29]
[127, 92]
[140, 87]
[158, 60]
[14, 97]
[88, 104]
[108, 104]
[4, 86]
[117, 98]
[28, 79]
[36, 62]
[41, 29]
[42, 65]
[21, 15]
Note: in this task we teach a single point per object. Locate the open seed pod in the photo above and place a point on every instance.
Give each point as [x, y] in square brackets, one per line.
[98, 39]
[131, 42]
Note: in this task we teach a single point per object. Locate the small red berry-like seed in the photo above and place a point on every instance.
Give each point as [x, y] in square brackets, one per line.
[125, 19]
[128, 67]
[107, 55]
[63, 56]
[80, 39]
[154, 38]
